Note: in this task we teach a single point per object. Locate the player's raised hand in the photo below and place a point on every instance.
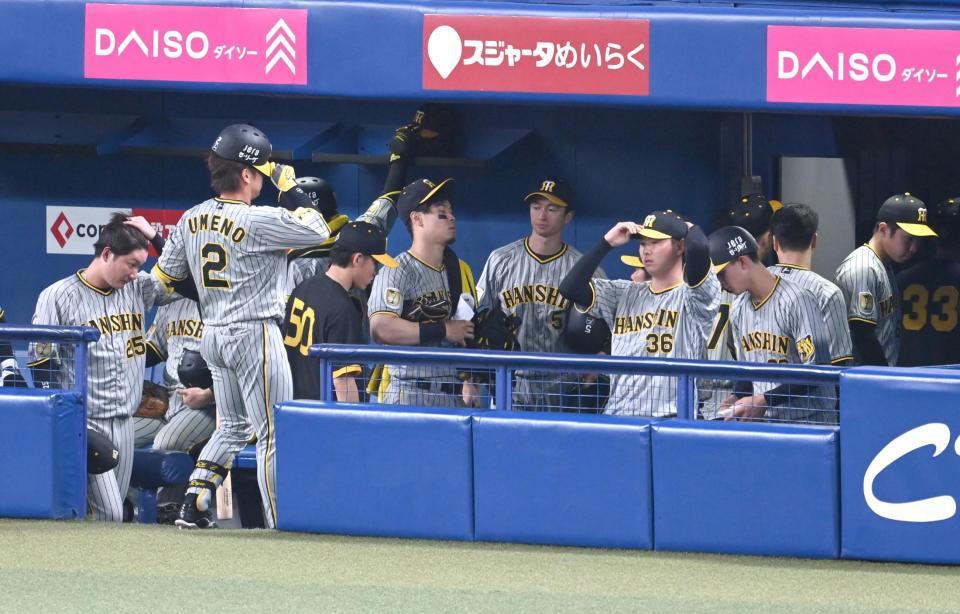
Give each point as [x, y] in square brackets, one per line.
[140, 223]
[404, 140]
[621, 233]
[284, 177]
[459, 331]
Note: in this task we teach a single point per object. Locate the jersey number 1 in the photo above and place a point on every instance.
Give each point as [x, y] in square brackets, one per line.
[214, 261]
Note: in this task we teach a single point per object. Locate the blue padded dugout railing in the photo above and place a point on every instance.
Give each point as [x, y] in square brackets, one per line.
[43, 435]
[504, 364]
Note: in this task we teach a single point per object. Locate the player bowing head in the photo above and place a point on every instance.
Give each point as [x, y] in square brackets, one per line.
[120, 251]
[901, 223]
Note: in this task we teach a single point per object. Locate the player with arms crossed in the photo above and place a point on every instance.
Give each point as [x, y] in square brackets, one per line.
[774, 321]
[869, 284]
[111, 295]
[237, 255]
[523, 278]
[931, 301]
[794, 228]
[666, 317]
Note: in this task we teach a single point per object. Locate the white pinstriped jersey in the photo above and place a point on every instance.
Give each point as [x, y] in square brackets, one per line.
[720, 345]
[236, 254]
[527, 286]
[833, 309]
[394, 291]
[176, 328]
[870, 290]
[784, 328]
[672, 323]
[116, 362]
[302, 269]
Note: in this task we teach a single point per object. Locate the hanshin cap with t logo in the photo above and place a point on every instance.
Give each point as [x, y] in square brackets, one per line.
[557, 191]
[908, 213]
[663, 225]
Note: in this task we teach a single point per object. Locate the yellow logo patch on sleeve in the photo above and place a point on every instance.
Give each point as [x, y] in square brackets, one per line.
[866, 301]
[805, 348]
[393, 297]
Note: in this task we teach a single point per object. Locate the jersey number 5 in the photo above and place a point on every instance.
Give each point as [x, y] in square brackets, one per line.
[214, 261]
[300, 326]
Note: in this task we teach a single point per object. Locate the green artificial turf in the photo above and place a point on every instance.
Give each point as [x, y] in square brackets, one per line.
[84, 566]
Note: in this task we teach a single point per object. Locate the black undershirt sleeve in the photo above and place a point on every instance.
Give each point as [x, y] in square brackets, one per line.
[576, 285]
[864, 336]
[697, 254]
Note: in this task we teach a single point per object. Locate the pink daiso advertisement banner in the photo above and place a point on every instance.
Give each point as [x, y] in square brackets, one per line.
[870, 66]
[210, 44]
[536, 54]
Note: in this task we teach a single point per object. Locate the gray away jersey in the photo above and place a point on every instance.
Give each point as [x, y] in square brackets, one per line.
[116, 362]
[833, 309]
[527, 286]
[784, 328]
[394, 290]
[176, 328]
[236, 254]
[870, 290]
[672, 323]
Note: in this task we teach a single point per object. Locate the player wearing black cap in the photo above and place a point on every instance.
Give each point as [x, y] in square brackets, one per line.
[321, 309]
[667, 317]
[930, 333]
[869, 284]
[772, 320]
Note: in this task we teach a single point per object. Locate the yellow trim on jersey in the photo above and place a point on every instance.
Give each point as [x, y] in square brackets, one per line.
[858, 319]
[548, 259]
[842, 359]
[705, 276]
[389, 313]
[466, 281]
[32, 365]
[91, 286]
[155, 348]
[793, 266]
[391, 196]
[593, 300]
[868, 246]
[165, 277]
[429, 266]
[271, 491]
[230, 201]
[776, 285]
[347, 371]
[665, 290]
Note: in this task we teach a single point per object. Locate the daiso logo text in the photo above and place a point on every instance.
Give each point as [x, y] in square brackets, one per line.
[855, 66]
[151, 44]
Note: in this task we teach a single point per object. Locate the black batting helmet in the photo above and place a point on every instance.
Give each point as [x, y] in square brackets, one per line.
[586, 333]
[245, 144]
[320, 192]
[193, 371]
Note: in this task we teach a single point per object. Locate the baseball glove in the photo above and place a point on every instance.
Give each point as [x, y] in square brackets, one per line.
[154, 402]
[426, 309]
[495, 330]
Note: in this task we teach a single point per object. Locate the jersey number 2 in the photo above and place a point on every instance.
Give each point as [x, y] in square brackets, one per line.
[214, 261]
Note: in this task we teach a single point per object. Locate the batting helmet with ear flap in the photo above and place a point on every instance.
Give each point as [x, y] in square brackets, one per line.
[102, 455]
[193, 371]
[586, 333]
[245, 144]
[320, 192]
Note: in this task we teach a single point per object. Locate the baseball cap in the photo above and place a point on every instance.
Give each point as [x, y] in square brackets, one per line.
[421, 193]
[633, 261]
[946, 216]
[753, 212]
[908, 212]
[663, 225]
[728, 244]
[556, 191]
[367, 239]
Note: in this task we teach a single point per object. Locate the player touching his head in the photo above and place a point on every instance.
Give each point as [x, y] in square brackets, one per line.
[111, 295]
[869, 285]
[774, 321]
[523, 279]
[794, 229]
[667, 317]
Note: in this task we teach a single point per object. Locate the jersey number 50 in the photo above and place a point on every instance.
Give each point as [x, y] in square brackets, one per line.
[301, 324]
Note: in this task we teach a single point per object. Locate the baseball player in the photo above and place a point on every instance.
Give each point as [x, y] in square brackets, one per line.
[111, 295]
[668, 316]
[321, 310]
[191, 415]
[10, 376]
[794, 228]
[523, 278]
[413, 303]
[236, 253]
[869, 285]
[930, 335]
[774, 321]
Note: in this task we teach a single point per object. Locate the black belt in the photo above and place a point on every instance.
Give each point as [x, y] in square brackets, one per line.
[444, 388]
